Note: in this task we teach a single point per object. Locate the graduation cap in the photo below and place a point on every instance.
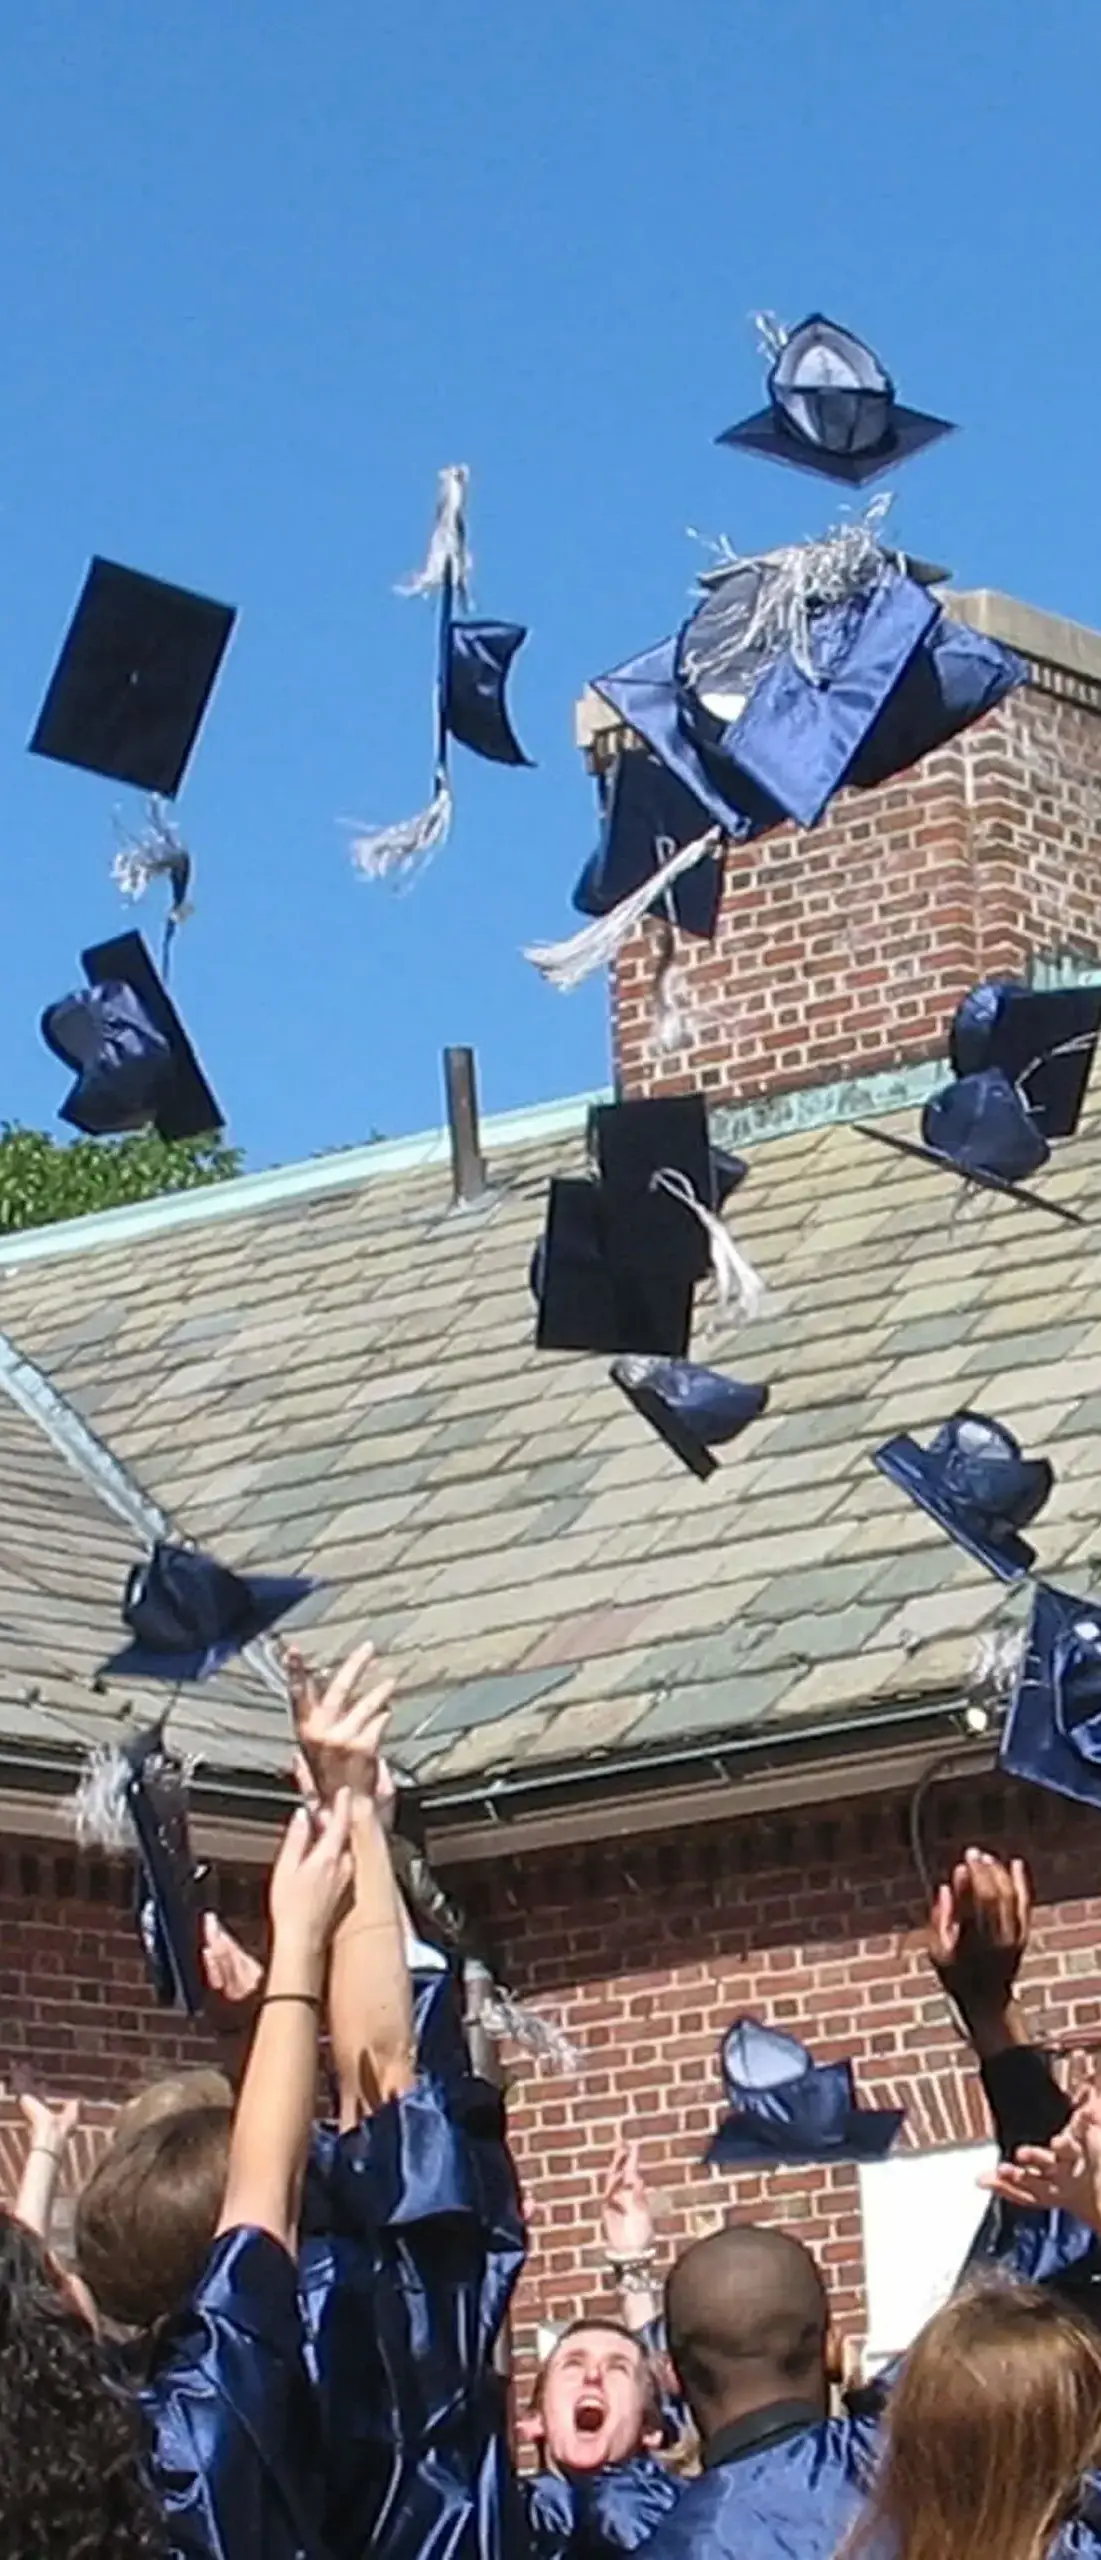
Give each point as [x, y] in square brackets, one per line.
[1043, 1040]
[785, 2107]
[187, 1614]
[135, 675]
[598, 1288]
[805, 724]
[473, 663]
[832, 407]
[975, 1483]
[649, 814]
[955, 676]
[1052, 1732]
[1022, 1059]
[169, 1904]
[694, 1410]
[127, 1046]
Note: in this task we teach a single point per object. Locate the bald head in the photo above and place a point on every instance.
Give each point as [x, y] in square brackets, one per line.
[747, 2323]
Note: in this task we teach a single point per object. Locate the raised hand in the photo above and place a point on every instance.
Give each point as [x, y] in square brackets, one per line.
[50, 2127]
[1064, 2176]
[340, 1725]
[626, 2217]
[232, 1974]
[310, 1880]
[978, 1932]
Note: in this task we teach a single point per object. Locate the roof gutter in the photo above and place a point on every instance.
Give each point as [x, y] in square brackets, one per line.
[237, 1814]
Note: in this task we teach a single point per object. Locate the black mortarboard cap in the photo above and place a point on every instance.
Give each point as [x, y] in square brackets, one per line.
[632, 1142]
[136, 672]
[650, 814]
[1052, 1732]
[188, 1614]
[785, 2107]
[974, 1482]
[127, 1045]
[169, 1903]
[833, 410]
[476, 664]
[599, 1293]
[694, 1410]
[1044, 1040]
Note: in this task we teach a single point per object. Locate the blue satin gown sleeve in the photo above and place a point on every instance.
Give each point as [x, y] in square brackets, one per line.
[414, 2245]
[595, 2515]
[236, 2455]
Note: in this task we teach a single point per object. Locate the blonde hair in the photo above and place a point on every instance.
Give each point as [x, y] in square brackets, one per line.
[994, 2418]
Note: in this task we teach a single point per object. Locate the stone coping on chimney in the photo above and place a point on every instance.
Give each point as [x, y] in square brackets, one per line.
[1047, 639]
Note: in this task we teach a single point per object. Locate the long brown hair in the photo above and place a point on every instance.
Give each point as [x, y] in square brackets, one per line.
[995, 2416]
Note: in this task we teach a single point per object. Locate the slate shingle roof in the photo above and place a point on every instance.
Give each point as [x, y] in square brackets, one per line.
[344, 1382]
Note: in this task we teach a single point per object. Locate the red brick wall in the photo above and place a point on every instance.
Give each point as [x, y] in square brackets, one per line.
[846, 950]
[644, 1951]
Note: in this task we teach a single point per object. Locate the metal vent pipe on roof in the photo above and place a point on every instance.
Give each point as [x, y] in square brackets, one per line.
[469, 1181]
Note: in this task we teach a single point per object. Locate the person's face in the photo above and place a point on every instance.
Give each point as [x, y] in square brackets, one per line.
[595, 2395]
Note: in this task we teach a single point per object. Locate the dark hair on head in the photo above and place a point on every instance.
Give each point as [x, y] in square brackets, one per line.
[146, 2219]
[992, 2422]
[72, 2480]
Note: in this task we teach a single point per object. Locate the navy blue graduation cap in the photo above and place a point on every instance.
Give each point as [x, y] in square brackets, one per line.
[832, 408]
[473, 663]
[955, 676]
[169, 1901]
[187, 1614]
[1022, 1059]
[128, 1049]
[651, 698]
[1052, 1732]
[804, 726]
[649, 814]
[136, 672]
[694, 1410]
[785, 2107]
[1043, 1040]
[975, 1483]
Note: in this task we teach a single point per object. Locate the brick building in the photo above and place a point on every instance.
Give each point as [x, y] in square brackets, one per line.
[672, 1742]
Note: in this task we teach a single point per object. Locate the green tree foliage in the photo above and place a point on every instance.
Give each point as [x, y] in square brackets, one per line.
[43, 1181]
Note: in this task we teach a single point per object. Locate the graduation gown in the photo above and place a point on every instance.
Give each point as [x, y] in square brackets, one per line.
[412, 2242]
[783, 2484]
[593, 2515]
[235, 2449]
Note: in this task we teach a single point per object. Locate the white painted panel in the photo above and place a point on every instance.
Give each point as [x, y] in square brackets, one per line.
[920, 2211]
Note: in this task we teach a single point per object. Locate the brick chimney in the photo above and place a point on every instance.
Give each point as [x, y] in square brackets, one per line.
[841, 954]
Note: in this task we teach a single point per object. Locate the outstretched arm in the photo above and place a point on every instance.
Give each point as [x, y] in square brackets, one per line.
[627, 2223]
[50, 2128]
[978, 1936]
[271, 2128]
[370, 1999]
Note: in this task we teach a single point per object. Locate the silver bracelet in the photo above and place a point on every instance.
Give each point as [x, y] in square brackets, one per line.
[633, 2275]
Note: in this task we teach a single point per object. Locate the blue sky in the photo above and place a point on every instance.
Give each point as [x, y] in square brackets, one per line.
[266, 266]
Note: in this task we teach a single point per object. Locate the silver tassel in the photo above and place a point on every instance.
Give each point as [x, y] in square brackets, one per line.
[565, 964]
[158, 853]
[399, 852]
[733, 1276]
[97, 1809]
[541, 2037]
[996, 1664]
[448, 549]
[793, 586]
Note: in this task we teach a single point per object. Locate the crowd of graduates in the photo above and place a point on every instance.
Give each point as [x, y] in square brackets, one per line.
[280, 2336]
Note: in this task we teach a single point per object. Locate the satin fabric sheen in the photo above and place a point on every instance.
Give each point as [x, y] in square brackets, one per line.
[235, 2444]
[592, 2514]
[412, 2242]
